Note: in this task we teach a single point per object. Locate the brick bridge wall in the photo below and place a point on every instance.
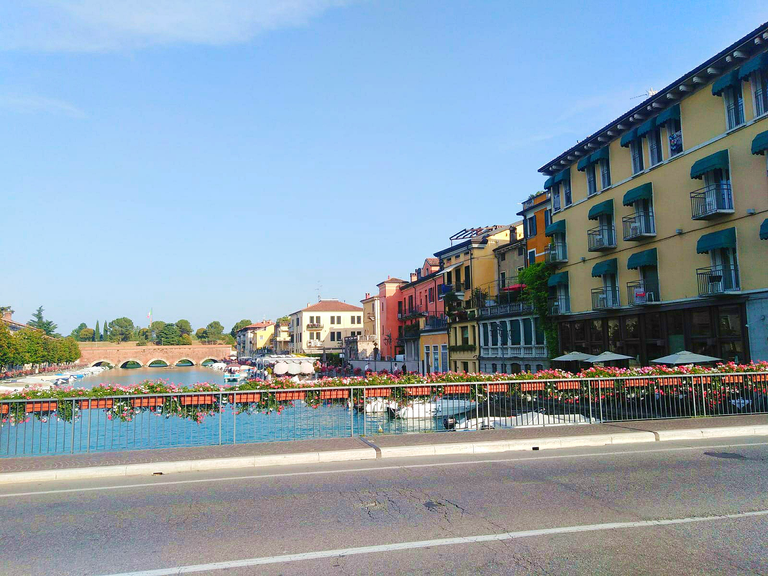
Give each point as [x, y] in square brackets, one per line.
[117, 355]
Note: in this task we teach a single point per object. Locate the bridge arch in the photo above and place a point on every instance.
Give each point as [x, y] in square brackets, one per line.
[184, 362]
[124, 363]
[208, 362]
[101, 363]
[158, 363]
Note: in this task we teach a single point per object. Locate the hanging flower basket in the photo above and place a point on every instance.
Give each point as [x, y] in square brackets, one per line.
[333, 394]
[103, 403]
[246, 397]
[499, 387]
[531, 386]
[569, 385]
[377, 392]
[147, 402]
[458, 389]
[418, 391]
[197, 400]
[296, 395]
[40, 407]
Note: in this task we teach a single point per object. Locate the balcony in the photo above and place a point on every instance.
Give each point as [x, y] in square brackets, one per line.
[435, 323]
[605, 298]
[314, 326]
[601, 238]
[559, 305]
[712, 201]
[556, 253]
[639, 225]
[514, 351]
[718, 280]
[506, 309]
[314, 344]
[642, 292]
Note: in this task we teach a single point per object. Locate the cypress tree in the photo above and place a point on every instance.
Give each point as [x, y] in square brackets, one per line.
[105, 331]
[97, 333]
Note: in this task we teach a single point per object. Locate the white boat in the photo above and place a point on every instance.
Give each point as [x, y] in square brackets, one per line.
[522, 420]
[220, 366]
[236, 373]
[430, 408]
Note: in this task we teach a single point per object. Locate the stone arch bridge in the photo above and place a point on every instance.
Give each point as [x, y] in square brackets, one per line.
[120, 354]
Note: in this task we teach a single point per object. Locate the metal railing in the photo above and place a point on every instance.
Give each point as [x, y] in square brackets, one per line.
[514, 351]
[506, 309]
[642, 292]
[435, 323]
[123, 422]
[556, 252]
[314, 326]
[601, 238]
[761, 102]
[711, 201]
[603, 298]
[735, 113]
[714, 280]
[639, 225]
[559, 305]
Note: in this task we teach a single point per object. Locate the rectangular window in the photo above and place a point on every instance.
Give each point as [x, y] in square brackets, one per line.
[465, 335]
[333, 320]
[734, 106]
[531, 257]
[567, 201]
[555, 193]
[759, 81]
[675, 137]
[333, 336]
[520, 250]
[449, 277]
[338, 336]
[458, 278]
[399, 309]
[338, 319]
[547, 218]
[431, 295]
[467, 278]
[591, 180]
[531, 226]
[503, 280]
[654, 146]
[605, 173]
[636, 150]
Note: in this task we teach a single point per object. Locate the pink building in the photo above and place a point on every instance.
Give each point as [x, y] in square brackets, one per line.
[391, 326]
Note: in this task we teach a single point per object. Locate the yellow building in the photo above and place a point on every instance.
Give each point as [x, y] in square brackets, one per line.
[469, 273]
[255, 338]
[658, 239]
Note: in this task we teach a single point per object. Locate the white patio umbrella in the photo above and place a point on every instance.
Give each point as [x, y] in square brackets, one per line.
[281, 368]
[685, 357]
[294, 368]
[573, 357]
[608, 357]
[307, 368]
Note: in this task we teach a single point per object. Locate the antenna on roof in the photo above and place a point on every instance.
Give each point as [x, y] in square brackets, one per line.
[648, 93]
[319, 286]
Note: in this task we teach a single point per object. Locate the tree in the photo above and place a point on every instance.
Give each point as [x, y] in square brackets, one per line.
[156, 327]
[30, 346]
[213, 331]
[97, 333]
[76, 332]
[41, 323]
[227, 339]
[169, 335]
[200, 334]
[186, 340]
[184, 327]
[536, 292]
[8, 347]
[238, 326]
[105, 331]
[120, 330]
[85, 335]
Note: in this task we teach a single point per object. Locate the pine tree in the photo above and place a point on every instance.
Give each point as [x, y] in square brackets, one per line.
[97, 333]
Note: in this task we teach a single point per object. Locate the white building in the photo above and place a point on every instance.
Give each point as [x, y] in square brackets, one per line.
[322, 327]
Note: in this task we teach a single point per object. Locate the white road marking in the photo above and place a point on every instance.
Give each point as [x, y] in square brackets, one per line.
[341, 552]
[370, 469]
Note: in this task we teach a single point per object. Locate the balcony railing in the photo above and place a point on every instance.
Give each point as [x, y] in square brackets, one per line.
[761, 102]
[601, 238]
[435, 323]
[712, 201]
[559, 305]
[642, 292]
[736, 114]
[506, 309]
[716, 280]
[604, 298]
[514, 351]
[314, 326]
[556, 252]
[639, 225]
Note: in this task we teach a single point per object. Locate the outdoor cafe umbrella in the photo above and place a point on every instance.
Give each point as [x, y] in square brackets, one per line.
[608, 357]
[294, 368]
[307, 368]
[573, 357]
[685, 357]
[281, 368]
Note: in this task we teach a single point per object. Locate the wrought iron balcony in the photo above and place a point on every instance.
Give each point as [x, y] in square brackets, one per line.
[559, 305]
[716, 280]
[712, 201]
[639, 225]
[736, 114]
[314, 326]
[514, 351]
[601, 238]
[605, 298]
[556, 252]
[435, 323]
[642, 292]
[506, 309]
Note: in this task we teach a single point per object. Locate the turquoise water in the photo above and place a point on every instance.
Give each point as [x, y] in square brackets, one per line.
[125, 376]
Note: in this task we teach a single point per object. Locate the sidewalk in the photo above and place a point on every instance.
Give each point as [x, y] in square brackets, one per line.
[170, 460]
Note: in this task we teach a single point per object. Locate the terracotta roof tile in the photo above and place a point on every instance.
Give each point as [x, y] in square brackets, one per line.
[332, 306]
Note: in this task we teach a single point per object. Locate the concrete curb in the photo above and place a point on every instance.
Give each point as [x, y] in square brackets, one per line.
[483, 447]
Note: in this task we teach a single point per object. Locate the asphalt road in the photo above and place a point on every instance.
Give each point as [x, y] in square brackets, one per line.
[576, 511]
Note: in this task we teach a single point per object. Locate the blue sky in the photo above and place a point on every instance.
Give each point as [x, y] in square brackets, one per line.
[230, 159]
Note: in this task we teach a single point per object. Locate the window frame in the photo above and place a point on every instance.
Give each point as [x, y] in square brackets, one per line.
[636, 153]
[591, 180]
[605, 173]
[759, 83]
[655, 134]
[730, 99]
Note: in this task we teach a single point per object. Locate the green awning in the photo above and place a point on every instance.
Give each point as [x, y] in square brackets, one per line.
[558, 279]
[629, 137]
[759, 62]
[555, 228]
[725, 81]
[601, 209]
[672, 113]
[583, 163]
[718, 160]
[549, 182]
[643, 192]
[646, 127]
[644, 258]
[760, 143]
[722, 239]
[605, 267]
[764, 230]
[601, 154]
[565, 175]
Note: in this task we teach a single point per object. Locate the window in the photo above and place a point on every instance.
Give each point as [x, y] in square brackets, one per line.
[725, 270]
[449, 277]
[675, 137]
[547, 217]
[503, 279]
[399, 309]
[359, 319]
[654, 146]
[467, 278]
[520, 250]
[338, 319]
[610, 290]
[605, 173]
[458, 278]
[435, 358]
[567, 201]
[338, 336]
[531, 226]
[636, 150]
[494, 334]
[484, 334]
[333, 336]
[531, 257]
[759, 81]
[333, 318]
[555, 194]
[734, 106]
[591, 181]
[431, 295]
[465, 335]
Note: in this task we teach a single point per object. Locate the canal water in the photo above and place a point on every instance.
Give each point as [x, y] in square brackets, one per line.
[177, 375]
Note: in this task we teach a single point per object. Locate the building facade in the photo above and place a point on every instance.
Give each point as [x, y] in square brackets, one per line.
[255, 338]
[322, 327]
[536, 214]
[656, 235]
[390, 318]
[282, 338]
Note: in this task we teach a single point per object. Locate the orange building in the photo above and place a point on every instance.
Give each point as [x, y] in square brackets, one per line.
[537, 215]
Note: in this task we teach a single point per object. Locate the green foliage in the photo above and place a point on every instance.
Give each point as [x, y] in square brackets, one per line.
[242, 324]
[85, 335]
[155, 328]
[76, 332]
[227, 339]
[185, 340]
[184, 326]
[39, 322]
[169, 335]
[120, 330]
[105, 332]
[97, 333]
[29, 346]
[200, 334]
[536, 292]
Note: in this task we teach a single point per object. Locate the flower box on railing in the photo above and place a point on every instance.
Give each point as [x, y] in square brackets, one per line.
[294, 395]
[418, 391]
[377, 392]
[197, 400]
[98, 403]
[247, 397]
[333, 394]
[702, 380]
[147, 402]
[531, 386]
[4, 408]
[569, 385]
[40, 406]
[457, 389]
[731, 379]
[758, 378]
[636, 383]
[496, 387]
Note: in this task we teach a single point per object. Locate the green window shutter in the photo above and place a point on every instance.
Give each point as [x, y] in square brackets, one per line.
[672, 113]
[760, 143]
[646, 127]
[558, 279]
[725, 81]
[722, 239]
[549, 183]
[563, 176]
[643, 192]
[630, 136]
[601, 209]
[555, 228]
[759, 62]
[718, 160]
[644, 258]
[601, 154]
[605, 267]
[583, 163]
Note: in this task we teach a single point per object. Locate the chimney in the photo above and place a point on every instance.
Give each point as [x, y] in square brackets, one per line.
[7, 314]
[413, 277]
